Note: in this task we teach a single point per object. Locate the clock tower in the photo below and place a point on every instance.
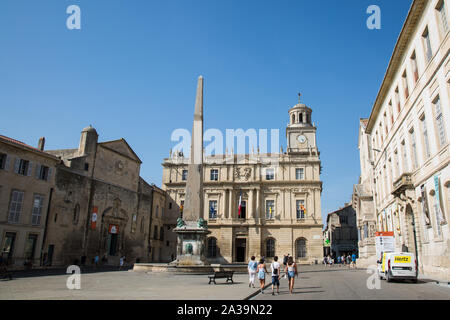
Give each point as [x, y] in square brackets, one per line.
[300, 132]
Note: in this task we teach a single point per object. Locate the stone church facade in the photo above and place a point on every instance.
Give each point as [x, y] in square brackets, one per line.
[101, 206]
[280, 200]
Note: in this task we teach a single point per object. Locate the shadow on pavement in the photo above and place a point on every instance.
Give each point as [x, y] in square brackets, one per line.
[62, 271]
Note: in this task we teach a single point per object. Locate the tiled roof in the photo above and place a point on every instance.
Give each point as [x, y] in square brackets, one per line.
[26, 146]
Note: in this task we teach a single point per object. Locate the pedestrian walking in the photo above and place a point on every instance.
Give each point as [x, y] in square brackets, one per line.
[252, 267]
[291, 270]
[262, 274]
[121, 262]
[285, 258]
[275, 266]
[349, 260]
[353, 260]
[96, 261]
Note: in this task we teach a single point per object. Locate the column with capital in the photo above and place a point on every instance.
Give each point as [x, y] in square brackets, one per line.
[258, 204]
[230, 204]
[251, 211]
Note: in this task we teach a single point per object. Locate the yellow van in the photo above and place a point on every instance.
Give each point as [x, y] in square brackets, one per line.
[398, 265]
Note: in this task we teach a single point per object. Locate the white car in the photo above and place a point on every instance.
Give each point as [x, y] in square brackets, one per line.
[398, 265]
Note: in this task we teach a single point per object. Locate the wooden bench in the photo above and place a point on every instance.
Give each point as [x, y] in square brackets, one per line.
[221, 275]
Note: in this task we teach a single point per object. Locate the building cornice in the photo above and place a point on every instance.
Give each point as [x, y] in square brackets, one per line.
[415, 13]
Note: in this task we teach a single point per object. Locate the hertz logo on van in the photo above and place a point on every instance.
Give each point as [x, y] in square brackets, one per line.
[402, 259]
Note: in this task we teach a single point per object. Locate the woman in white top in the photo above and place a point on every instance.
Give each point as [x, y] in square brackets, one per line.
[291, 271]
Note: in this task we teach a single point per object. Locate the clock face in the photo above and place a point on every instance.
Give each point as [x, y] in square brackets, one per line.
[301, 139]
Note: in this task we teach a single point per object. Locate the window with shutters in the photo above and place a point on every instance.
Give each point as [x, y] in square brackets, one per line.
[443, 15]
[15, 206]
[425, 137]
[43, 172]
[414, 67]
[36, 214]
[405, 84]
[2, 161]
[397, 99]
[427, 45]
[414, 148]
[442, 140]
[22, 167]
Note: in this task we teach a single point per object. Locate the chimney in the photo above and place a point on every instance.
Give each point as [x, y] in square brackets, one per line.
[41, 143]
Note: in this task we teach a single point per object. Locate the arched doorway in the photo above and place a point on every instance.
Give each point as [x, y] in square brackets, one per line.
[410, 243]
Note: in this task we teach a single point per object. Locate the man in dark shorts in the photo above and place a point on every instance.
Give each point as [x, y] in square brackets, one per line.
[275, 266]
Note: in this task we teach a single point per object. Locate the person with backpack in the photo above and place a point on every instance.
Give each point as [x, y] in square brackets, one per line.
[261, 269]
[291, 271]
[275, 266]
[252, 266]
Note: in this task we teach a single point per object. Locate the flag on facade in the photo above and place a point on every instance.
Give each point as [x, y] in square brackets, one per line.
[94, 218]
[302, 208]
[240, 204]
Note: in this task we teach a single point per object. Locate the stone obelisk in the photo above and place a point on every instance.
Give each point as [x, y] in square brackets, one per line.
[192, 229]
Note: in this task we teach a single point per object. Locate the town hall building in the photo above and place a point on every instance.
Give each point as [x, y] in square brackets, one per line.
[280, 208]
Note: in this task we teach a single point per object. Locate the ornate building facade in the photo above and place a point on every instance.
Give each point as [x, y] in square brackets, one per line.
[408, 143]
[279, 200]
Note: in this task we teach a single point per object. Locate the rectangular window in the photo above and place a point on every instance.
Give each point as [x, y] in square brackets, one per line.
[270, 174]
[184, 175]
[343, 219]
[21, 167]
[414, 148]
[405, 84]
[213, 209]
[427, 44]
[30, 246]
[15, 206]
[397, 164]
[214, 175]
[37, 210]
[299, 174]
[414, 67]
[397, 99]
[425, 137]
[300, 209]
[440, 122]
[43, 173]
[2, 161]
[405, 157]
[8, 245]
[270, 209]
[443, 16]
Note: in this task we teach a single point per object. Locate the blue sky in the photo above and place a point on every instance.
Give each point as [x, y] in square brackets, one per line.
[131, 72]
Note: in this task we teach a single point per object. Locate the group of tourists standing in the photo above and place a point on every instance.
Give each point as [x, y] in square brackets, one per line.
[344, 259]
[259, 269]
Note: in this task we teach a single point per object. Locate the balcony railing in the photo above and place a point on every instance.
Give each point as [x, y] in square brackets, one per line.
[401, 184]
